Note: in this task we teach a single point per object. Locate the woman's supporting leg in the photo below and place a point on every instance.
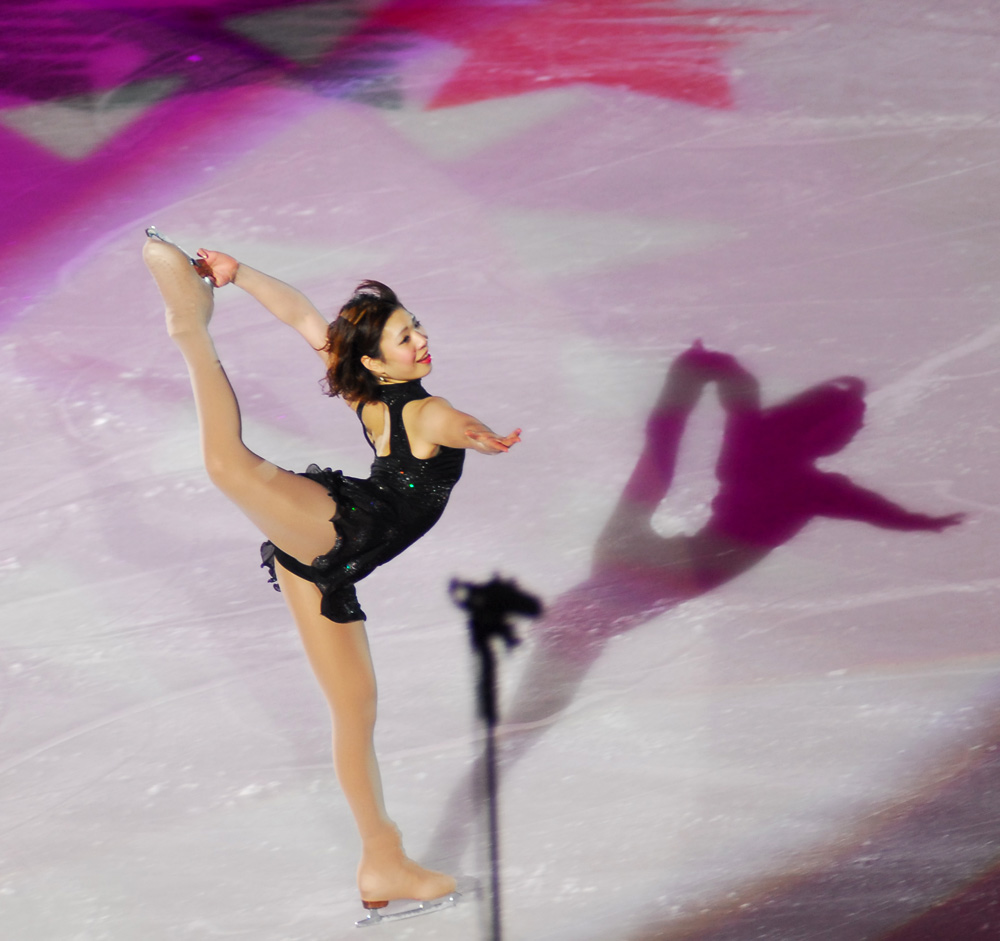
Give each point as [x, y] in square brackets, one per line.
[293, 512]
[341, 660]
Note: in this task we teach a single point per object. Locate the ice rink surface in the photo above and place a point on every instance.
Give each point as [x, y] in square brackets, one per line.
[568, 193]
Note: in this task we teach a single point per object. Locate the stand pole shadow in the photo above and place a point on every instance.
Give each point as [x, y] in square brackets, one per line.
[489, 607]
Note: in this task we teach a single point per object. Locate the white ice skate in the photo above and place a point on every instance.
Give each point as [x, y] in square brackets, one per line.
[199, 265]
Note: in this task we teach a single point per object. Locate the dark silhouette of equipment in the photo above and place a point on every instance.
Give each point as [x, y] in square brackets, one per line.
[490, 607]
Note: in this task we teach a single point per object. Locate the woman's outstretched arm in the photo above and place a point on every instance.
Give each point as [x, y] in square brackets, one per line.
[288, 304]
[438, 423]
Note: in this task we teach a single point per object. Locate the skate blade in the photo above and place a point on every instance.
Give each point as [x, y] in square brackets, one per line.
[154, 233]
[380, 916]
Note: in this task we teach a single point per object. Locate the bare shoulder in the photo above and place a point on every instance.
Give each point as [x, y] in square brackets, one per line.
[426, 413]
[434, 403]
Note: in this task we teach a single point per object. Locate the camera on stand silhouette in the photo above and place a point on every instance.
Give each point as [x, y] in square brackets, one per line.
[490, 606]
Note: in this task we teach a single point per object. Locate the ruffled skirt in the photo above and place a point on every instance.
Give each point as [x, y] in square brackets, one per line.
[367, 528]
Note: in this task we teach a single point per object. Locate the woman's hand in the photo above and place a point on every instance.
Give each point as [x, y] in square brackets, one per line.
[219, 268]
[486, 442]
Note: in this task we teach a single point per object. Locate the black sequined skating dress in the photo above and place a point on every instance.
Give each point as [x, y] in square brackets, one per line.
[377, 518]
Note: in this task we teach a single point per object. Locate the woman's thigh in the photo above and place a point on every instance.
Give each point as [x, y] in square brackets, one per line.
[338, 653]
[292, 511]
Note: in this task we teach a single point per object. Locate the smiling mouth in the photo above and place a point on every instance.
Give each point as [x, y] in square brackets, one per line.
[426, 358]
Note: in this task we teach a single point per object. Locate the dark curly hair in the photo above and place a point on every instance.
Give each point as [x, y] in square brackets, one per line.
[357, 332]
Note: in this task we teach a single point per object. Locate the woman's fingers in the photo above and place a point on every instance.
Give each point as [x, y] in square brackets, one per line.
[206, 267]
[489, 442]
[205, 270]
[222, 267]
[494, 444]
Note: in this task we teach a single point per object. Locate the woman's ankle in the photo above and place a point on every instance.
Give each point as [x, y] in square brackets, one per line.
[384, 839]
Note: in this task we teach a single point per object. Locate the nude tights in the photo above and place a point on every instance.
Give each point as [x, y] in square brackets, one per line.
[294, 513]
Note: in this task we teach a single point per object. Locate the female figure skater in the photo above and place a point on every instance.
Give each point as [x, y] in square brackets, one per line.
[325, 530]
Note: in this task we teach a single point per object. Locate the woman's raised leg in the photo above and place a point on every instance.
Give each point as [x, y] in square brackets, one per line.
[293, 512]
[341, 660]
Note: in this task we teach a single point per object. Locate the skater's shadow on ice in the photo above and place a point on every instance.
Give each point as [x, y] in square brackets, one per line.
[769, 489]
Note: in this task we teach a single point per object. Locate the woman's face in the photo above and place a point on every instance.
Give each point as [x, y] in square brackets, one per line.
[405, 354]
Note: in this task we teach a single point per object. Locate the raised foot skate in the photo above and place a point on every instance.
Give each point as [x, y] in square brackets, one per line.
[187, 295]
[199, 263]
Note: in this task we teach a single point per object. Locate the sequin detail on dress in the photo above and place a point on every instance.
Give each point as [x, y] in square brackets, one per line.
[377, 518]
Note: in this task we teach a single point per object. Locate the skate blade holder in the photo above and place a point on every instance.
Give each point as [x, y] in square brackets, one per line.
[407, 908]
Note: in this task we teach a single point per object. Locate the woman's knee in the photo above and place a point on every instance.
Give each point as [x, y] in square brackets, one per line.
[353, 723]
[354, 700]
[218, 470]
[233, 469]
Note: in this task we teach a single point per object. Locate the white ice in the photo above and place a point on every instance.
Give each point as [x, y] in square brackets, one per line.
[806, 752]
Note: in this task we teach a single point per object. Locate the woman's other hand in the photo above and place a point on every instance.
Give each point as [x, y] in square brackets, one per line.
[486, 442]
[219, 268]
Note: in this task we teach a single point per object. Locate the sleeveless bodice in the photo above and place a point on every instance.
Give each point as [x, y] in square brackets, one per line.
[423, 484]
[379, 517]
